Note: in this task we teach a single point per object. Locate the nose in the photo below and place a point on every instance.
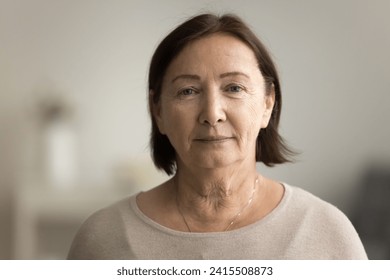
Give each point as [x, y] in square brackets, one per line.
[212, 108]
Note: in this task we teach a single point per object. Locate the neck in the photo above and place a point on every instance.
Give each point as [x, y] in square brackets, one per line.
[210, 199]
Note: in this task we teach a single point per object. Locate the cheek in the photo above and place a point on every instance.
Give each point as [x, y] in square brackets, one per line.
[250, 118]
[256, 113]
[178, 122]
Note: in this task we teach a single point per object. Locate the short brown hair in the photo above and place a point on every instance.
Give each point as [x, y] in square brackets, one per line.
[271, 149]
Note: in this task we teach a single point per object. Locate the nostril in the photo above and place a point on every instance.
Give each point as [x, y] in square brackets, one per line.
[212, 123]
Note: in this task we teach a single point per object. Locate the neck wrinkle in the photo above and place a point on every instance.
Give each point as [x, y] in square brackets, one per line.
[218, 200]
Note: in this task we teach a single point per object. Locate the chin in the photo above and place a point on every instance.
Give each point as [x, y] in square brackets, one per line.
[212, 162]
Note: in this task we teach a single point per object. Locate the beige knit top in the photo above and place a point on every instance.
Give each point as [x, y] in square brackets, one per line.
[302, 226]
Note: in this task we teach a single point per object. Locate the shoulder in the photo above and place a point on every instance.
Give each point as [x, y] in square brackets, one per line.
[325, 226]
[315, 208]
[100, 233]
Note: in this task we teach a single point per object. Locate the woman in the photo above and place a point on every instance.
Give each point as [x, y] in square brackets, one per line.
[215, 104]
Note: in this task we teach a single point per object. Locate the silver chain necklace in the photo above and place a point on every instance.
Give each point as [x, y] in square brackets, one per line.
[235, 216]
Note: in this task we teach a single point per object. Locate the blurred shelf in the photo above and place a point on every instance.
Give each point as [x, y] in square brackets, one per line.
[46, 220]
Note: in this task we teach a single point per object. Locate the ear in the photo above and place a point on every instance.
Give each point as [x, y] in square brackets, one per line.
[269, 101]
[155, 110]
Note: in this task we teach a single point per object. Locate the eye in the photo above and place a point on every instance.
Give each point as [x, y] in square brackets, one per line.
[186, 91]
[234, 88]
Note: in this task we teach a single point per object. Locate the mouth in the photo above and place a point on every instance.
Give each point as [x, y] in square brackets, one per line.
[214, 139]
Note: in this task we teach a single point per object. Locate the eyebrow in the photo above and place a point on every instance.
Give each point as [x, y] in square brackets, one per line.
[196, 77]
[234, 73]
[186, 76]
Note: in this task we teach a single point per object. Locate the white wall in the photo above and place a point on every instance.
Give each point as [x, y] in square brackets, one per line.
[332, 55]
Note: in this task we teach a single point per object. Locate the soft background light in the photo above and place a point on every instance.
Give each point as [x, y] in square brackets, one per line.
[91, 58]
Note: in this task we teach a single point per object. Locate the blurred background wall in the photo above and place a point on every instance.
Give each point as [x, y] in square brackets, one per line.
[73, 116]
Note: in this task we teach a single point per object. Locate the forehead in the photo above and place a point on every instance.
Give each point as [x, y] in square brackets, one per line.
[218, 52]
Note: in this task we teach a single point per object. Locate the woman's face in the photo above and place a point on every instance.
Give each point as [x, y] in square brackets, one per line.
[213, 103]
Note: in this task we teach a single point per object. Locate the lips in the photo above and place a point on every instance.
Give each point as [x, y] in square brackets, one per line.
[213, 139]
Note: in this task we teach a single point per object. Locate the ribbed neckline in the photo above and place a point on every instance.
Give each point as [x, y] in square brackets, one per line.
[269, 217]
